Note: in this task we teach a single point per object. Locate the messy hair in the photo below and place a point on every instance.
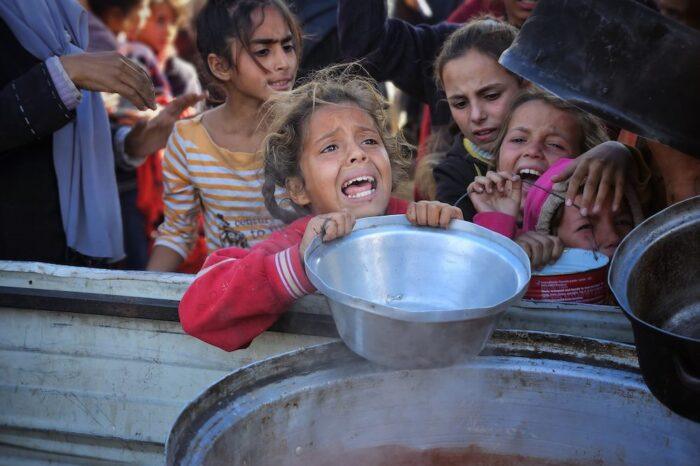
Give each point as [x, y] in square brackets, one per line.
[287, 115]
[591, 129]
[221, 22]
[487, 35]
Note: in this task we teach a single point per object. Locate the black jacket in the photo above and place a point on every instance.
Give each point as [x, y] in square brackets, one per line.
[454, 173]
[30, 214]
[394, 50]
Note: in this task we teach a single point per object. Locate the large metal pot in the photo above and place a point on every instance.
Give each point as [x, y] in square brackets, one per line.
[654, 276]
[531, 399]
[407, 296]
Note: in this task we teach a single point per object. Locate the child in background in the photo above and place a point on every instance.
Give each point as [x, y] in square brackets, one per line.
[158, 33]
[251, 48]
[330, 147]
[479, 92]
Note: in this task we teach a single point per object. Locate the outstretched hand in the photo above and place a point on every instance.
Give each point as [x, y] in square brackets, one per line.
[150, 135]
[111, 72]
[497, 192]
[598, 170]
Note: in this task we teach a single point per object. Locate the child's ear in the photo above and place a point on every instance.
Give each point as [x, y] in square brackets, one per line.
[297, 191]
[219, 67]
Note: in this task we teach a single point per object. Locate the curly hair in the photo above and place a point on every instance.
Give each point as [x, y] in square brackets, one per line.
[591, 129]
[287, 114]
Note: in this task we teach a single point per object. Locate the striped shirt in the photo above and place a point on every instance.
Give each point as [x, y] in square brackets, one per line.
[226, 186]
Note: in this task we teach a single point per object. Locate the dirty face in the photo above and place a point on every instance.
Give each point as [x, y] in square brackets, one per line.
[479, 92]
[538, 135]
[344, 164]
[605, 229]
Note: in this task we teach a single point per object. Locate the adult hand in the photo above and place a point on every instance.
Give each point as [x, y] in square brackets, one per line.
[111, 72]
[598, 170]
[540, 248]
[150, 135]
[329, 226]
[497, 192]
[432, 213]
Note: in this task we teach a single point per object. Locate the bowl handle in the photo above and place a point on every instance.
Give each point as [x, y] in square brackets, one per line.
[688, 380]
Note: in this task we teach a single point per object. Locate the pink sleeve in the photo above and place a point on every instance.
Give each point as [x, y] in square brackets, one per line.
[499, 222]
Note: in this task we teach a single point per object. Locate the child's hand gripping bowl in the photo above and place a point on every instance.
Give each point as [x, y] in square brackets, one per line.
[338, 224]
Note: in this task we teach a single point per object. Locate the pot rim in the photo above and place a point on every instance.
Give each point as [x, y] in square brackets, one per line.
[657, 226]
[430, 315]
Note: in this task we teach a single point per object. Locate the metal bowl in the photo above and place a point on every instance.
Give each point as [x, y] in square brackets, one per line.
[410, 297]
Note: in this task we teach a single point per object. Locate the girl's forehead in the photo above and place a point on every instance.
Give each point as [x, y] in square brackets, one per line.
[538, 115]
[269, 24]
[476, 69]
[342, 112]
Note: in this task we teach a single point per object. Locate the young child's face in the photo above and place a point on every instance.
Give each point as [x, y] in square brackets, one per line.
[479, 92]
[344, 164]
[160, 28]
[538, 135]
[517, 11]
[605, 229]
[272, 46]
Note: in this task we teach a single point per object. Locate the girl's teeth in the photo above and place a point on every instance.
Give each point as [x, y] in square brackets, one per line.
[361, 194]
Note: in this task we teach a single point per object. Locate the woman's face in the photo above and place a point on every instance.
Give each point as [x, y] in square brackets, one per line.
[538, 135]
[479, 92]
[603, 230]
[344, 164]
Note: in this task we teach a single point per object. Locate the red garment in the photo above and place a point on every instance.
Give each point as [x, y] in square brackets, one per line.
[240, 293]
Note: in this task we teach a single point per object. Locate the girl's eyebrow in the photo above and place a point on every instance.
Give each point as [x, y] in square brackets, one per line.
[366, 128]
[521, 128]
[270, 41]
[489, 87]
[327, 135]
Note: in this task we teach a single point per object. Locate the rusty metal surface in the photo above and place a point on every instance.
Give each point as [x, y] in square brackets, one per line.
[534, 396]
[616, 59]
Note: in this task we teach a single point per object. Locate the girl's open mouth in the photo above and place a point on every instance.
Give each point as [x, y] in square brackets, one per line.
[282, 85]
[359, 187]
[529, 174]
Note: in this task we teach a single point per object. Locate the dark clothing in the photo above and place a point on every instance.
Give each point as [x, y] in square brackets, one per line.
[394, 50]
[30, 213]
[454, 173]
[182, 77]
[319, 22]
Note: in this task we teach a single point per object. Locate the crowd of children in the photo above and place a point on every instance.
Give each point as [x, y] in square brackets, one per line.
[250, 180]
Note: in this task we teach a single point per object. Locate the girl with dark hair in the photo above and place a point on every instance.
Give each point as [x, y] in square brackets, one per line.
[251, 51]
